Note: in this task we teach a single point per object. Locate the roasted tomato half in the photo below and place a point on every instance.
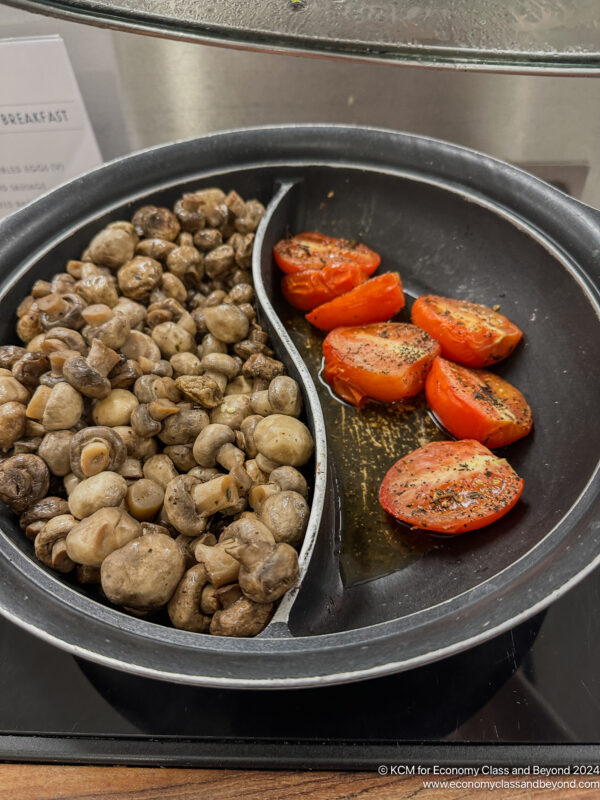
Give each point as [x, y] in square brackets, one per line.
[314, 250]
[377, 300]
[469, 333]
[477, 404]
[450, 487]
[313, 287]
[384, 361]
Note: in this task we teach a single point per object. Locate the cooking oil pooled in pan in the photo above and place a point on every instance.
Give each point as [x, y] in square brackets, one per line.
[364, 443]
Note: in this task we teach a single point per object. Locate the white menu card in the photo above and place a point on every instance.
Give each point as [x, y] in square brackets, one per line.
[45, 133]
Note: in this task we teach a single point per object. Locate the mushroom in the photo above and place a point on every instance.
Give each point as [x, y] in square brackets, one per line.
[144, 573]
[61, 310]
[284, 396]
[209, 443]
[50, 546]
[103, 489]
[112, 329]
[124, 374]
[87, 575]
[155, 248]
[142, 421]
[63, 408]
[154, 222]
[186, 262]
[96, 449]
[261, 366]
[88, 375]
[249, 221]
[217, 494]
[180, 507]
[243, 618]
[232, 411]
[266, 572]
[286, 515]
[284, 440]
[186, 364]
[115, 409]
[184, 427]
[12, 424]
[220, 566]
[55, 449]
[113, 246]
[227, 323]
[201, 389]
[99, 534]
[10, 354]
[97, 289]
[210, 344]
[181, 455]
[41, 512]
[138, 277]
[173, 338]
[24, 479]
[219, 262]
[144, 499]
[290, 480]
[173, 287]
[131, 469]
[184, 605]
[160, 469]
[28, 369]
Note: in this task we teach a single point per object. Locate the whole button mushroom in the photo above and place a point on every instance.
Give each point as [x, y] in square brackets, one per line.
[180, 507]
[184, 606]
[12, 424]
[96, 449]
[289, 480]
[113, 246]
[42, 511]
[55, 449]
[99, 491]
[144, 573]
[63, 409]
[115, 409]
[286, 515]
[284, 440]
[266, 572]
[50, 546]
[96, 536]
[138, 277]
[227, 323]
[284, 396]
[24, 479]
[155, 222]
[243, 618]
[173, 338]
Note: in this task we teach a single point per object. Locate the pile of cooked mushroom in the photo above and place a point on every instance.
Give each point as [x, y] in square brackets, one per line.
[150, 441]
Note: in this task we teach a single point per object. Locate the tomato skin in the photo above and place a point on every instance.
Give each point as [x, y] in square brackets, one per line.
[313, 287]
[386, 361]
[469, 333]
[477, 404]
[450, 487]
[313, 250]
[376, 300]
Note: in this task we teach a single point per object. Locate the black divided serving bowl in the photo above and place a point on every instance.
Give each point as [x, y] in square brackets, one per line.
[457, 223]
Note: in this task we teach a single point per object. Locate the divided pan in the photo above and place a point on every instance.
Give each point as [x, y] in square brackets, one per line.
[453, 222]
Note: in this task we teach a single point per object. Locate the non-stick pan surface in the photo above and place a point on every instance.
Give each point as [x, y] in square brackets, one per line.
[453, 222]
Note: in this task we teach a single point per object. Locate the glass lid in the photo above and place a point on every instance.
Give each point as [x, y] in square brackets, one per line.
[525, 36]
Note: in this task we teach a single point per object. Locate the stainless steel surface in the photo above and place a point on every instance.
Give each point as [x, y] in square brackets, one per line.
[511, 35]
[140, 92]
